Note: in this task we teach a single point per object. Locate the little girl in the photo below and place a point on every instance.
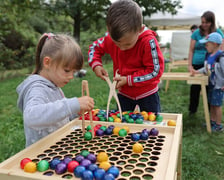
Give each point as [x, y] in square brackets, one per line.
[41, 100]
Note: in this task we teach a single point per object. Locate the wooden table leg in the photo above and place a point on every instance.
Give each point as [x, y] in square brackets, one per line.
[206, 111]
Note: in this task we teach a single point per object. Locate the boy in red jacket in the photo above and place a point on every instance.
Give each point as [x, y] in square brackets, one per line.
[135, 53]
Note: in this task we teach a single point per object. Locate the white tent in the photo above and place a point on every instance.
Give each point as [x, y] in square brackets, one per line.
[166, 19]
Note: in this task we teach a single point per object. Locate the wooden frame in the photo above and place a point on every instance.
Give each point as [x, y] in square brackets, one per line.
[168, 165]
[197, 79]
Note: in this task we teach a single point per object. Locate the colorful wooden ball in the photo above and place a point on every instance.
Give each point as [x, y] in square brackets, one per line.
[126, 128]
[116, 130]
[79, 158]
[102, 156]
[139, 121]
[110, 119]
[79, 170]
[92, 167]
[152, 116]
[122, 133]
[42, 165]
[30, 167]
[154, 132]
[99, 132]
[144, 136]
[103, 128]
[113, 170]
[99, 173]
[117, 120]
[135, 136]
[91, 157]
[130, 120]
[84, 153]
[105, 165]
[108, 176]
[54, 162]
[87, 175]
[159, 118]
[66, 160]
[24, 161]
[61, 168]
[72, 165]
[108, 131]
[137, 148]
[88, 135]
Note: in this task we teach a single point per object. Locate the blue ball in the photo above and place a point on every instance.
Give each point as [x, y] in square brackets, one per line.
[108, 131]
[99, 173]
[87, 175]
[135, 137]
[144, 136]
[92, 167]
[78, 171]
[54, 163]
[108, 176]
[113, 170]
[79, 158]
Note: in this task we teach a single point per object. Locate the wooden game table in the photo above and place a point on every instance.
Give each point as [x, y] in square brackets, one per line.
[160, 159]
[197, 79]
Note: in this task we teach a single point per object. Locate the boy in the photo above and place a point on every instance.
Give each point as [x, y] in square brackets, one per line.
[135, 53]
[214, 67]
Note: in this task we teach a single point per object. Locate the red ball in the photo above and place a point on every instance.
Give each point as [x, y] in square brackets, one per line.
[72, 165]
[24, 161]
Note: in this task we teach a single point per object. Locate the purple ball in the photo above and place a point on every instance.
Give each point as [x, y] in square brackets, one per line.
[79, 158]
[154, 132]
[66, 160]
[61, 168]
[85, 163]
[146, 130]
[91, 157]
[111, 126]
[100, 132]
[108, 131]
[92, 167]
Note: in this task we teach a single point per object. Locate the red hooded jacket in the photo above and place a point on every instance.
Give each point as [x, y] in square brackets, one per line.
[143, 64]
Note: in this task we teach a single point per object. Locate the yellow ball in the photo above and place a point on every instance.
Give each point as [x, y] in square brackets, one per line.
[137, 148]
[117, 120]
[126, 128]
[30, 167]
[116, 130]
[102, 156]
[171, 123]
[105, 165]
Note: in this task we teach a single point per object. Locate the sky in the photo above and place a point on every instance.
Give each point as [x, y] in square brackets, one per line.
[197, 7]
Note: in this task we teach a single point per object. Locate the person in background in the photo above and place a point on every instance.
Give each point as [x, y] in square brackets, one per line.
[40, 98]
[135, 52]
[214, 68]
[193, 28]
[197, 54]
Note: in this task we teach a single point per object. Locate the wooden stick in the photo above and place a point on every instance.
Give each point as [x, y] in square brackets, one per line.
[85, 90]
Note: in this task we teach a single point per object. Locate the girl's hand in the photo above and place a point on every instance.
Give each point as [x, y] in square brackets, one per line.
[86, 103]
[121, 81]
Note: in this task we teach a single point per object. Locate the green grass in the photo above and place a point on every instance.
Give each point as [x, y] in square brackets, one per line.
[202, 153]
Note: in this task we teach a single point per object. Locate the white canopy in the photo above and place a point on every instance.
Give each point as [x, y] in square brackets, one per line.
[166, 19]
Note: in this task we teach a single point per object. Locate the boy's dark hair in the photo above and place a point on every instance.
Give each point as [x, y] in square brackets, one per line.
[193, 27]
[123, 16]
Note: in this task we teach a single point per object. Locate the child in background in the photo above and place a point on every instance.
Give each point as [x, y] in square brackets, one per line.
[135, 52]
[214, 67]
[41, 100]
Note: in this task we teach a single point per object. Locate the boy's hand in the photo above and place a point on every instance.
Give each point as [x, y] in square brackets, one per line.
[86, 103]
[121, 81]
[100, 72]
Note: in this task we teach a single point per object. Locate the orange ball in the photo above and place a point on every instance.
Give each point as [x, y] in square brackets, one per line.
[126, 128]
[171, 123]
[152, 116]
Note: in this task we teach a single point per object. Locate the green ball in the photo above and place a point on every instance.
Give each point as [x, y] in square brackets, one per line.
[118, 115]
[159, 118]
[126, 116]
[130, 120]
[88, 136]
[110, 119]
[84, 153]
[139, 121]
[122, 133]
[103, 118]
[43, 165]
[103, 128]
[88, 127]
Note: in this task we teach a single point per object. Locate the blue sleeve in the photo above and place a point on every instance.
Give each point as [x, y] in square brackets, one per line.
[220, 32]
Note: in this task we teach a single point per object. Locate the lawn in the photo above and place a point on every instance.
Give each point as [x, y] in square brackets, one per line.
[202, 153]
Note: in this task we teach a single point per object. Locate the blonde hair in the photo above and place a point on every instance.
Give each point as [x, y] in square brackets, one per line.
[61, 48]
